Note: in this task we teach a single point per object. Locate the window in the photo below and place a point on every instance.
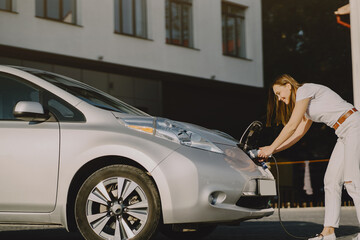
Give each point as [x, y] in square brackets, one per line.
[233, 30]
[179, 30]
[86, 93]
[6, 5]
[63, 111]
[13, 91]
[60, 10]
[130, 17]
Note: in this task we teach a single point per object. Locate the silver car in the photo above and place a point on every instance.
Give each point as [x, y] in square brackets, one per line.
[73, 155]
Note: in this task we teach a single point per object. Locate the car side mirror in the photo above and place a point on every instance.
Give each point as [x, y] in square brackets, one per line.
[30, 111]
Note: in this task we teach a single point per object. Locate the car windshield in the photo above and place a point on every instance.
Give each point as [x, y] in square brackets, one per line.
[86, 93]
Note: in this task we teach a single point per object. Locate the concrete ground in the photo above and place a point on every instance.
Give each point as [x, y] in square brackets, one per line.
[298, 221]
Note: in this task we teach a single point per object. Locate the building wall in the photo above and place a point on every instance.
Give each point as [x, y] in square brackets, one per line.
[94, 39]
[199, 85]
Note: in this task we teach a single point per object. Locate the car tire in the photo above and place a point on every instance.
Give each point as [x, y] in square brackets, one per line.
[103, 212]
[201, 232]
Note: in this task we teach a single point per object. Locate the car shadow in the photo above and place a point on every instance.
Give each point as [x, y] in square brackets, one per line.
[252, 230]
[273, 230]
[40, 234]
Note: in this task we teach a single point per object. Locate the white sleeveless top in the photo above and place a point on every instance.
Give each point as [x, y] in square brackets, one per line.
[325, 105]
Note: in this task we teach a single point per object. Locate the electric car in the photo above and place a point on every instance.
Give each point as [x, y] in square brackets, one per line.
[75, 156]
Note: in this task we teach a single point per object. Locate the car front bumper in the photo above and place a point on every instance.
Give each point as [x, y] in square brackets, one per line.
[200, 186]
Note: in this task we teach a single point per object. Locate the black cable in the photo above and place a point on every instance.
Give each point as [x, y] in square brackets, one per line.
[278, 195]
[254, 152]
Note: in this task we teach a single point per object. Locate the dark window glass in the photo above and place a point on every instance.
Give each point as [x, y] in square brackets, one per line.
[6, 5]
[130, 17]
[233, 30]
[175, 24]
[127, 17]
[53, 9]
[39, 8]
[86, 93]
[140, 18]
[13, 91]
[63, 111]
[179, 23]
[60, 10]
[187, 26]
[68, 11]
[231, 36]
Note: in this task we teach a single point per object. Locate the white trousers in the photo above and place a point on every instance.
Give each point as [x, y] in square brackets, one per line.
[344, 166]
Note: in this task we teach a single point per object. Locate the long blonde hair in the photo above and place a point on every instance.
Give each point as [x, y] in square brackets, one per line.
[282, 111]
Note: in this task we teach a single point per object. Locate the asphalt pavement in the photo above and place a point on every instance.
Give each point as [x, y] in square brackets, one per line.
[298, 221]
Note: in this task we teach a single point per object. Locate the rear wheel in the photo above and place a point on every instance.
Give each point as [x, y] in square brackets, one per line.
[118, 202]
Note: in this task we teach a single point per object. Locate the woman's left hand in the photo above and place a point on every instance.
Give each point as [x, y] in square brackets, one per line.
[265, 152]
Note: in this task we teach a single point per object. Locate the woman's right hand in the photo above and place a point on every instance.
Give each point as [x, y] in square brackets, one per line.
[265, 152]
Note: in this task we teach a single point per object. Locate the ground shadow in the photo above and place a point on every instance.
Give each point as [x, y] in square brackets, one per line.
[274, 231]
[40, 234]
[246, 230]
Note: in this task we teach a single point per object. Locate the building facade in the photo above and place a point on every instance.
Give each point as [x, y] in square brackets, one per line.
[190, 60]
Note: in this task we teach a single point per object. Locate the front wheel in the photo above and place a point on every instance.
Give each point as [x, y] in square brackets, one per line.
[118, 202]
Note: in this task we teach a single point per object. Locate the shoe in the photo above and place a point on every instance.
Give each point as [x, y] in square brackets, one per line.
[321, 237]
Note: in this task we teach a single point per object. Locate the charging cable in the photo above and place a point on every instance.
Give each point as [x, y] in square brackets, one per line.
[278, 195]
[254, 155]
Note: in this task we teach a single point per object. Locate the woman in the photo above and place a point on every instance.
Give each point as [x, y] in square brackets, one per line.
[296, 107]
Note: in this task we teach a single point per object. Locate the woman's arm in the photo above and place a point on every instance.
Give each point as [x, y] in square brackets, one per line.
[289, 129]
[300, 131]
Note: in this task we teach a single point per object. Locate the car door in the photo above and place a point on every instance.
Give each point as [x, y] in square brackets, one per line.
[29, 152]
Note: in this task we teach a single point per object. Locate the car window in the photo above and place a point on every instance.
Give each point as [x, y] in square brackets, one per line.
[12, 91]
[86, 93]
[63, 111]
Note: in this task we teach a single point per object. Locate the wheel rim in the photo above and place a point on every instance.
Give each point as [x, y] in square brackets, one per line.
[117, 208]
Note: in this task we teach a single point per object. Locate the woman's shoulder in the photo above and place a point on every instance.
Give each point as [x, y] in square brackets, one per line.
[308, 90]
[305, 86]
[312, 86]
[314, 89]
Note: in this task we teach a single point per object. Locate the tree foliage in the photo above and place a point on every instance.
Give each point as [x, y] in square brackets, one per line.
[303, 39]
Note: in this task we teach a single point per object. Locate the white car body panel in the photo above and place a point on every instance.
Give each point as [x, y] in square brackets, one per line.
[30, 180]
[37, 188]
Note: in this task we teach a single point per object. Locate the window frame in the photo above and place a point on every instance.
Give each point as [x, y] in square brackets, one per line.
[225, 13]
[60, 12]
[168, 12]
[133, 19]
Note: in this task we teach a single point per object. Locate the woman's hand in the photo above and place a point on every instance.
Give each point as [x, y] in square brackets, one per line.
[265, 152]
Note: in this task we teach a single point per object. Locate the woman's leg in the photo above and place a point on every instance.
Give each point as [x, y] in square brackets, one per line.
[333, 182]
[333, 188]
[352, 168]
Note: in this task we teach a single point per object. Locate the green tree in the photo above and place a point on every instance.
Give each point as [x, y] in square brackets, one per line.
[303, 39]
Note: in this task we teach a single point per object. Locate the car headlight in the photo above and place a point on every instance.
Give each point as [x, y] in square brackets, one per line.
[170, 130]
